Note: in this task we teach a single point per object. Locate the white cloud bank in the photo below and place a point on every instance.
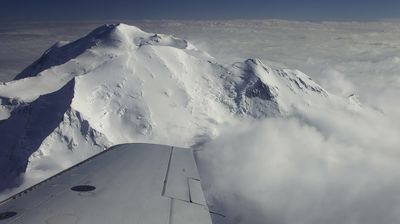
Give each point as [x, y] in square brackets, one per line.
[324, 166]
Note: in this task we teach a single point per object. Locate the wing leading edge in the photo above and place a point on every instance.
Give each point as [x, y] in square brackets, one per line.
[130, 183]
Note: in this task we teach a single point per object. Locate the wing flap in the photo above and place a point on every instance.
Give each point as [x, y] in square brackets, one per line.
[196, 192]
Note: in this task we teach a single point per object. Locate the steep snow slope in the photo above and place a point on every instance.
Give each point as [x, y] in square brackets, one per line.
[119, 84]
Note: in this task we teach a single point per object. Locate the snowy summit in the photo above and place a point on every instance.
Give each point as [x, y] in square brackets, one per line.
[120, 84]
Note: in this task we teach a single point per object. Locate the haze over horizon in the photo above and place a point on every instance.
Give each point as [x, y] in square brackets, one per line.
[307, 10]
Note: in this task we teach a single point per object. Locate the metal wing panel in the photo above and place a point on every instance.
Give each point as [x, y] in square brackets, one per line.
[182, 167]
[186, 212]
[129, 181]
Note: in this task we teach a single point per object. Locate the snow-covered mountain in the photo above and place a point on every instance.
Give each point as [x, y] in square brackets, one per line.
[119, 84]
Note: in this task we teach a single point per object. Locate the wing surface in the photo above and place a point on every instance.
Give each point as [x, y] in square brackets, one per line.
[130, 183]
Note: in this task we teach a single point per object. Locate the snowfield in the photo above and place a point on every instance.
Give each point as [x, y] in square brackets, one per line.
[274, 146]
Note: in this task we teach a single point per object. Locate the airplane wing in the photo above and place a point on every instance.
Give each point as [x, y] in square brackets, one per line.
[130, 183]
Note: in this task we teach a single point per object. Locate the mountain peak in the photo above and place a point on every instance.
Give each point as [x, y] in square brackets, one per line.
[120, 84]
[112, 36]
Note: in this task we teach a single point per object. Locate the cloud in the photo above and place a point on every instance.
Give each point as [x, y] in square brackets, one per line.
[337, 82]
[321, 166]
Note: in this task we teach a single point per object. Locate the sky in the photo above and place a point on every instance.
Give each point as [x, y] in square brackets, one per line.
[310, 10]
